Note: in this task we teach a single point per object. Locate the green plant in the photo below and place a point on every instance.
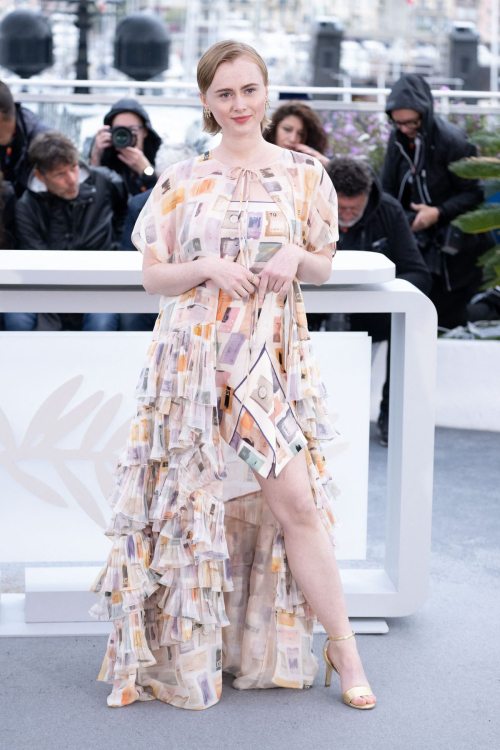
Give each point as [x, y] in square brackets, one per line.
[487, 217]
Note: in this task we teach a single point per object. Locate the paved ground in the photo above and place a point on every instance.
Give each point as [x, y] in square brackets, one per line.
[436, 673]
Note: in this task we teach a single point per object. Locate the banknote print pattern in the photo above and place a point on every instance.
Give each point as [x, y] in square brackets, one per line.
[197, 580]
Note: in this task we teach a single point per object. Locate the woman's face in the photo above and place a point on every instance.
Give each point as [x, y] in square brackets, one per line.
[237, 97]
[290, 132]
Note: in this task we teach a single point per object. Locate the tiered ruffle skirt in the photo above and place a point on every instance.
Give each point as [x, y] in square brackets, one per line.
[196, 584]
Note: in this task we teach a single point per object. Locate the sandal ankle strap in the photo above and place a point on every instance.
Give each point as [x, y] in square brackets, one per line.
[342, 637]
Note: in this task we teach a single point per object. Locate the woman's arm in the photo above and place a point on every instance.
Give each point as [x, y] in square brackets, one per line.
[293, 261]
[172, 279]
[315, 268]
[323, 160]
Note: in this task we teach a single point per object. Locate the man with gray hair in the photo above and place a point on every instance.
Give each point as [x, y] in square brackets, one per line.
[370, 219]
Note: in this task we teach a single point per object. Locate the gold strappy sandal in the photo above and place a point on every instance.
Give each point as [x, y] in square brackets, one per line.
[354, 692]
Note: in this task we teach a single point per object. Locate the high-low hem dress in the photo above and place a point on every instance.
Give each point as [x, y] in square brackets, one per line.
[197, 580]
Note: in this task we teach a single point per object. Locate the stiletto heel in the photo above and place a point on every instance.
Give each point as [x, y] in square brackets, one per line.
[328, 675]
[354, 692]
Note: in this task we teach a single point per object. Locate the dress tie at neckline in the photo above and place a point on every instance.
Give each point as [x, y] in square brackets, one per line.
[245, 171]
[247, 176]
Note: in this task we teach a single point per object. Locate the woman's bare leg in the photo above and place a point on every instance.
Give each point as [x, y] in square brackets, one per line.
[312, 562]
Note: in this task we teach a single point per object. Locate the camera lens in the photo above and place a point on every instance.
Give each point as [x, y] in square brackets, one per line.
[122, 137]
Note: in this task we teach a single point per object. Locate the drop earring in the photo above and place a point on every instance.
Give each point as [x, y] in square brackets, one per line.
[268, 103]
[207, 111]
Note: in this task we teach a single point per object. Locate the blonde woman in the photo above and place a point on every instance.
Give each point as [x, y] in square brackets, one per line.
[210, 571]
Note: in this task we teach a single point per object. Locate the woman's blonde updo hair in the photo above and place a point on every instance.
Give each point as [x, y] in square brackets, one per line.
[217, 54]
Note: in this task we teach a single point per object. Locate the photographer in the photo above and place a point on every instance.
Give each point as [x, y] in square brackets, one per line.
[18, 127]
[127, 144]
[420, 148]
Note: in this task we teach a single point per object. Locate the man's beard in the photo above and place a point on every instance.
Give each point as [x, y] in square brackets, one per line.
[349, 224]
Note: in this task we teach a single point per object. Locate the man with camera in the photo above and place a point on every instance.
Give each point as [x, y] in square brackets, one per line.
[127, 144]
[420, 148]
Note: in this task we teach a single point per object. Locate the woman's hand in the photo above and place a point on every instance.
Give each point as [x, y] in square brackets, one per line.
[231, 277]
[312, 152]
[280, 271]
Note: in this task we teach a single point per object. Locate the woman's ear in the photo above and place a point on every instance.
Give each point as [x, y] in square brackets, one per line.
[202, 99]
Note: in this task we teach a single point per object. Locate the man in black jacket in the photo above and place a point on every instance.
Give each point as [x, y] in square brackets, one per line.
[68, 206]
[420, 148]
[370, 219]
[18, 127]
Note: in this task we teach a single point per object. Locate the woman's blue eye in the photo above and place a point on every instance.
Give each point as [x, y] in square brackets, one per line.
[226, 93]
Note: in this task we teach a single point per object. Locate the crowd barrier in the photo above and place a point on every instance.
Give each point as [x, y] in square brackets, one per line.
[67, 402]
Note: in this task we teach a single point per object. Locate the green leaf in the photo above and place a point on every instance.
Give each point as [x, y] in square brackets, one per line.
[481, 220]
[490, 256]
[476, 168]
[490, 263]
[488, 142]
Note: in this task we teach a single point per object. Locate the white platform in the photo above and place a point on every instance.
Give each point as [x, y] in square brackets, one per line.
[124, 268]
[59, 594]
[57, 601]
[12, 624]
[460, 363]
[400, 586]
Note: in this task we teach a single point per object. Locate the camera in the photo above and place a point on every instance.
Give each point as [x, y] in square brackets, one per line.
[122, 137]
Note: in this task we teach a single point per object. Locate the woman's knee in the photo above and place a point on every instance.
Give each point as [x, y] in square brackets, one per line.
[297, 509]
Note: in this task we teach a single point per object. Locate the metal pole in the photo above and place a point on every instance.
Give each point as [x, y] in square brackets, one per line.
[494, 46]
[82, 63]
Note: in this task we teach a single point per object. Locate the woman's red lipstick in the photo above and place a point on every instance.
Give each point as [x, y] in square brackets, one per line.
[241, 119]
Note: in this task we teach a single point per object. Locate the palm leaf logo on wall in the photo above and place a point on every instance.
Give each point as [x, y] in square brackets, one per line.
[47, 428]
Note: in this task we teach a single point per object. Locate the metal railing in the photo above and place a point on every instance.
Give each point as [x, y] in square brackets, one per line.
[179, 93]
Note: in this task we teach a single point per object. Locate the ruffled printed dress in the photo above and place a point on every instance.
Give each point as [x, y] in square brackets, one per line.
[255, 418]
[197, 582]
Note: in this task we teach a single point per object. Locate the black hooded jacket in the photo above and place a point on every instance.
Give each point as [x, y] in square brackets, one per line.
[428, 180]
[92, 221]
[14, 156]
[135, 183]
[384, 228]
[417, 172]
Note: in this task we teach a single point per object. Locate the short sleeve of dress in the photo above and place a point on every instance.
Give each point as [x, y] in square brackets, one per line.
[156, 224]
[322, 220]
